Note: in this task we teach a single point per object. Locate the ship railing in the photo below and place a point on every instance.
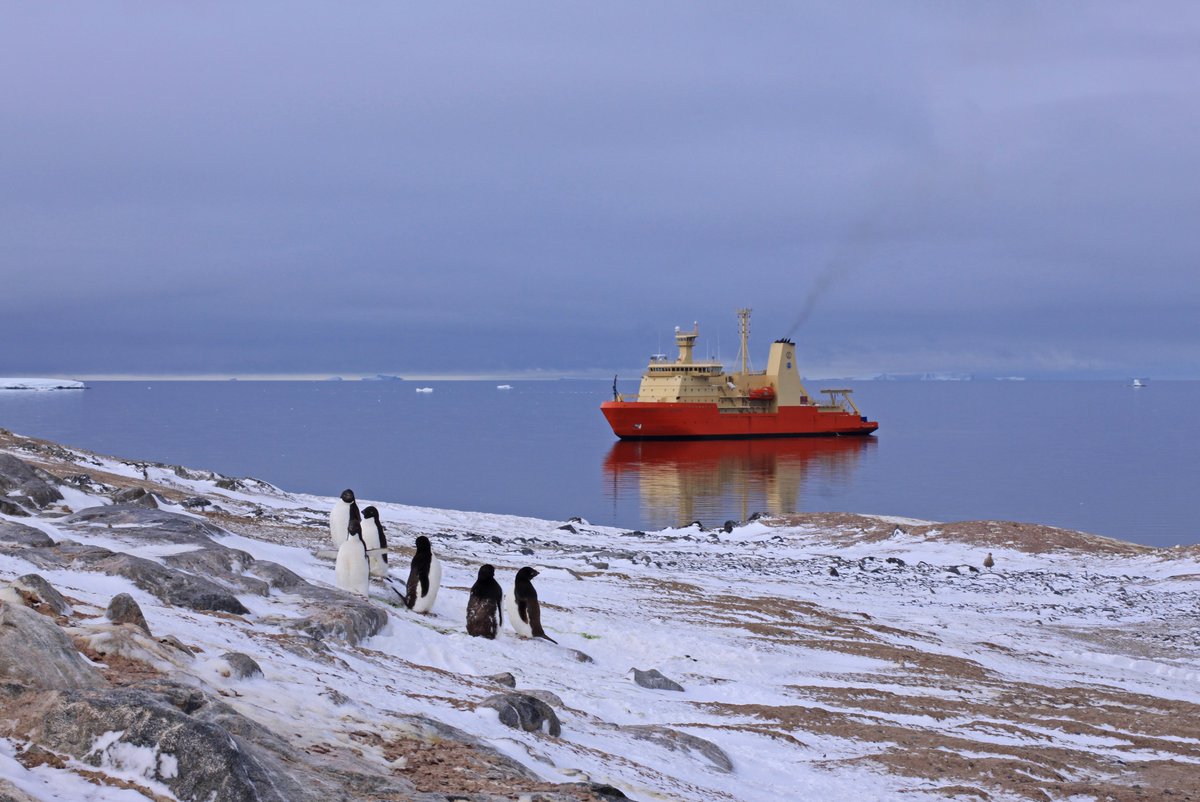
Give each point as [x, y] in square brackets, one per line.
[839, 398]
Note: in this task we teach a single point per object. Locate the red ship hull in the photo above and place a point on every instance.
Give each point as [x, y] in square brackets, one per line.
[640, 420]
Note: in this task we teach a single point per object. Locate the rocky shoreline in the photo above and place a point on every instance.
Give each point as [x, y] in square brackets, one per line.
[176, 659]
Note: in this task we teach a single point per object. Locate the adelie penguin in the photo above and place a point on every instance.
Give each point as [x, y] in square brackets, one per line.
[424, 576]
[376, 542]
[344, 509]
[352, 570]
[524, 611]
[484, 616]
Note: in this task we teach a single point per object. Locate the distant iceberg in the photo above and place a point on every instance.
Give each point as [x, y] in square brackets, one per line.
[41, 384]
[503, 386]
[424, 389]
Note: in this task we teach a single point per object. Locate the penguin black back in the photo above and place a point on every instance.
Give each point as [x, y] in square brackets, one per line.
[355, 527]
[371, 512]
[528, 606]
[418, 572]
[484, 616]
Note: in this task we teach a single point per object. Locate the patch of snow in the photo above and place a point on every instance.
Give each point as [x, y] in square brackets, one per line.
[48, 784]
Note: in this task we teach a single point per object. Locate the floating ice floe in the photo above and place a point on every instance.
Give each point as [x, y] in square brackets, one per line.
[40, 384]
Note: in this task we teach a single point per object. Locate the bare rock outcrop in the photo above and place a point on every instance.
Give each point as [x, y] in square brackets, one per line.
[22, 481]
[36, 654]
[524, 712]
[124, 610]
[40, 595]
[677, 741]
[13, 534]
[655, 679]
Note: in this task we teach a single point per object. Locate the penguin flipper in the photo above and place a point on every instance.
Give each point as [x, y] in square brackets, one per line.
[410, 594]
[533, 614]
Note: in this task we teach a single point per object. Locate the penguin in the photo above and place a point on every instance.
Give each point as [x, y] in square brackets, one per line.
[343, 510]
[376, 541]
[484, 613]
[424, 576]
[352, 570]
[524, 612]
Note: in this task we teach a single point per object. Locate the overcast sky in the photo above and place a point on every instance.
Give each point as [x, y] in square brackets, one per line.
[341, 189]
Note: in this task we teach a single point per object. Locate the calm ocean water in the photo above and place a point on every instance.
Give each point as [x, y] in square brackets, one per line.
[1099, 457]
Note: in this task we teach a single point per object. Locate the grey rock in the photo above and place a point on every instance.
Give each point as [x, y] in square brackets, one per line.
[194, 475]
[81, 481]
[655, 679]
[172, 586]
[41, 593]
[524, 712]
[10, 793]
[221, 565]
[506, 679]
[25, 480]
[140, 523]
[603, 791]
[549, 697]
[276, 576]
[242, 665]
[675, 740]
[15, 534]
[580, 657]
[175, 643]
[350, 621]
[10, 507]
[195, 502]
[728, 527]
[213, 764]
[35, 653]
[136, 496]
[221, 755]
[123, 609]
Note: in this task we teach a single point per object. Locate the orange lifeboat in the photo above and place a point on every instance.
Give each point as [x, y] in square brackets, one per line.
[762, 393]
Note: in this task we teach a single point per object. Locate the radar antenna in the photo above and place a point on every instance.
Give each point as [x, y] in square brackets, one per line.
[744, 333]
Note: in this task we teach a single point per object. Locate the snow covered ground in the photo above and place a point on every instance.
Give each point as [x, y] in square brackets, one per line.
[821, 656]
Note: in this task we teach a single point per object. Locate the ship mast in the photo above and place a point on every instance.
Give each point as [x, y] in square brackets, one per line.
[744, 332]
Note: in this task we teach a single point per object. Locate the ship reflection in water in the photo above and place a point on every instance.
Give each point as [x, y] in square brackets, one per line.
[717, 480]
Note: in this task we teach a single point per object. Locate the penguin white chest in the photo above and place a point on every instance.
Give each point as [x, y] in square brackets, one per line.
[339, 522]
[351, 569]
[522, 628]
[370, 530]
[424, 603]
